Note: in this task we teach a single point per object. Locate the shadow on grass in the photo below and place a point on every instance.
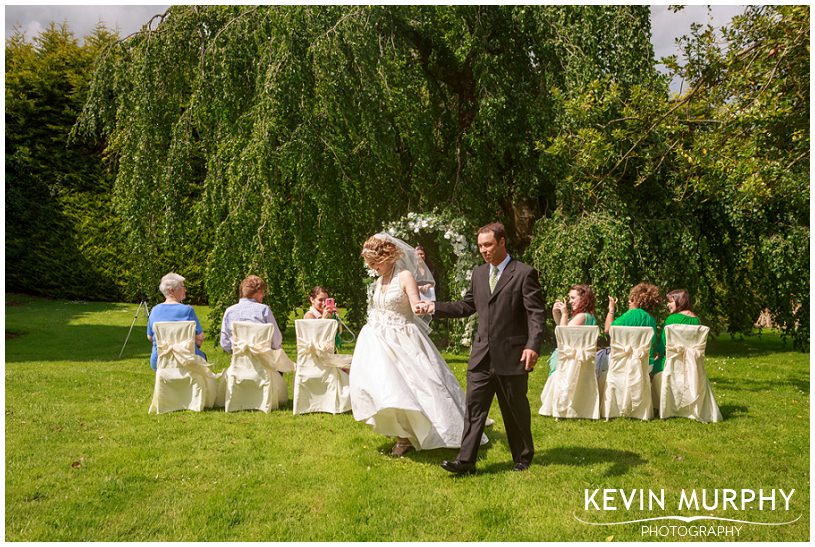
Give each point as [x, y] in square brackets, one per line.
[730, 412]
[47, 330]
[621, 460]
[40, 329]
[756, 386]
[758, 344]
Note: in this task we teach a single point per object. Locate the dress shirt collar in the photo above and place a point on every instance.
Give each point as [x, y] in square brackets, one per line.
[502, 266]
[248, 300]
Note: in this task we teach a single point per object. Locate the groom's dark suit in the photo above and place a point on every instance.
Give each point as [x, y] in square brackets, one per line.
[510, 318]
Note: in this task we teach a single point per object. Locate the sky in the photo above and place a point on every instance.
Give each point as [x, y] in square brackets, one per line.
[666, 26]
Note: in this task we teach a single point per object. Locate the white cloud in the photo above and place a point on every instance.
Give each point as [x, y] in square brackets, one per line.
[81, 19]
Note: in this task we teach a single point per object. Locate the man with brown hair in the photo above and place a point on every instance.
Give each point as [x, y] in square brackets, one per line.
[505, 294]
[249, 308]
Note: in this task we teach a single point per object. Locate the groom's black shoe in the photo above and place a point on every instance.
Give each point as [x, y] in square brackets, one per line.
[521, 466]
[458, 467]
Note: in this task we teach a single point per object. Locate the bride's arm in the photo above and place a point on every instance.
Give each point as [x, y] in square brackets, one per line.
[408, 284]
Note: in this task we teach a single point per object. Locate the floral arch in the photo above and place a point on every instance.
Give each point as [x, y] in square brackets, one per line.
[455, 232]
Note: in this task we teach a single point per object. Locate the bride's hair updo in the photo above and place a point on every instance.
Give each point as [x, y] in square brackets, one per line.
[377, 251]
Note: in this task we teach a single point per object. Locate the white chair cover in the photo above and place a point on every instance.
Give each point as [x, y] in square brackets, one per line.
[571, 390]
[627, 386]
[183, 378]
[682, 388]
[253, 381]
[319, 383]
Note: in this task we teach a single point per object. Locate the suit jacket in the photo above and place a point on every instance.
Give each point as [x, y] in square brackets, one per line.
[510, 319]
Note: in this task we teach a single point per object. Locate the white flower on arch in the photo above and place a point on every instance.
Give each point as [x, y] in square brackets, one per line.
[453, 231]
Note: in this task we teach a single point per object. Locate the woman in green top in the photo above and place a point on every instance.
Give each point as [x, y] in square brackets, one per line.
[582, 301]
[678, 302]
[643, 301]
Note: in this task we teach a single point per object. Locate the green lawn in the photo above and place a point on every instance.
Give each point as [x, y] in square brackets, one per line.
[84, 460]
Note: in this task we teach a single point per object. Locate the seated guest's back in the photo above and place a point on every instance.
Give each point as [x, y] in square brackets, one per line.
[172, 287]
[250, 308]
[679, 306]
[642, 305]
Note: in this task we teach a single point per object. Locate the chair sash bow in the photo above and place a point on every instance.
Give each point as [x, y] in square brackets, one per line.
[186, 357]
[182, 351]
[630, 357]
[321, 353]
[570, 361]
[270, 358]
[685, 378]
[579, 353]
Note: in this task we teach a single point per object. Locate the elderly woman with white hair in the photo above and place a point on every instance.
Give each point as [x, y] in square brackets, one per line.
[172, 287]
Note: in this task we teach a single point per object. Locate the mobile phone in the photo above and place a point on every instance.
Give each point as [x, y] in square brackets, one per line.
[329, 303]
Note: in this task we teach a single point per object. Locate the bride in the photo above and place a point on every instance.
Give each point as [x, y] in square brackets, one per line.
[400, 383]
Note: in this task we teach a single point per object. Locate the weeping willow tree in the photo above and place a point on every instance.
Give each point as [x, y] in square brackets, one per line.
[274, 140]
[707, 190]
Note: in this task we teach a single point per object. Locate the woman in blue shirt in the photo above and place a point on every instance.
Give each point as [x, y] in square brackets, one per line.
[172, 287]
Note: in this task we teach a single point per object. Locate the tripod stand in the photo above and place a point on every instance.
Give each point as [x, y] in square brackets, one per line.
[143, 302]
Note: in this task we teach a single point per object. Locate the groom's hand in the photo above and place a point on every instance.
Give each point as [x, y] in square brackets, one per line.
[529, 358]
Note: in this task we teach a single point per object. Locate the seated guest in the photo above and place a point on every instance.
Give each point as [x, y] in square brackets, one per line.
[172, 287]
[582, 301]
[250, 308]
[323, 307]
[679, 306]
[318, 309]
[642, 304]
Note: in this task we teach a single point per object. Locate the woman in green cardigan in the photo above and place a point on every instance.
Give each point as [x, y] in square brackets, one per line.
[643, 301]
[679, 306]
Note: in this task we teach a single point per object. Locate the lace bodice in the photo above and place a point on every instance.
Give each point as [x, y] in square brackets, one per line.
[390, 306]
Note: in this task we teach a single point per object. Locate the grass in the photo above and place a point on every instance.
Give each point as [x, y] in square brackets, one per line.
[84, 460]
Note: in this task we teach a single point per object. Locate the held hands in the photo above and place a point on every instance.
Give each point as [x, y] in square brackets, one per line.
[424, 308]
[529, 358]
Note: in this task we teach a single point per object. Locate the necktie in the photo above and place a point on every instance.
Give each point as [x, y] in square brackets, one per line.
[493, 278]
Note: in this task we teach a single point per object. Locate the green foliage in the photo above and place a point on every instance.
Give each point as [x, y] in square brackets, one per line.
[275, 140]
[61, 235]
[708, 190]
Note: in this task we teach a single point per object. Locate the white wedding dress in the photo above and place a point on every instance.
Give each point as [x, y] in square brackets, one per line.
[400, 383]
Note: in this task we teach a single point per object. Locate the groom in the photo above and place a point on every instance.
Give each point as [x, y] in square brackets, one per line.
[506, 295]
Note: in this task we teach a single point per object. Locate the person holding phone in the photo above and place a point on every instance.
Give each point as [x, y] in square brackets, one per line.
[322, 305]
